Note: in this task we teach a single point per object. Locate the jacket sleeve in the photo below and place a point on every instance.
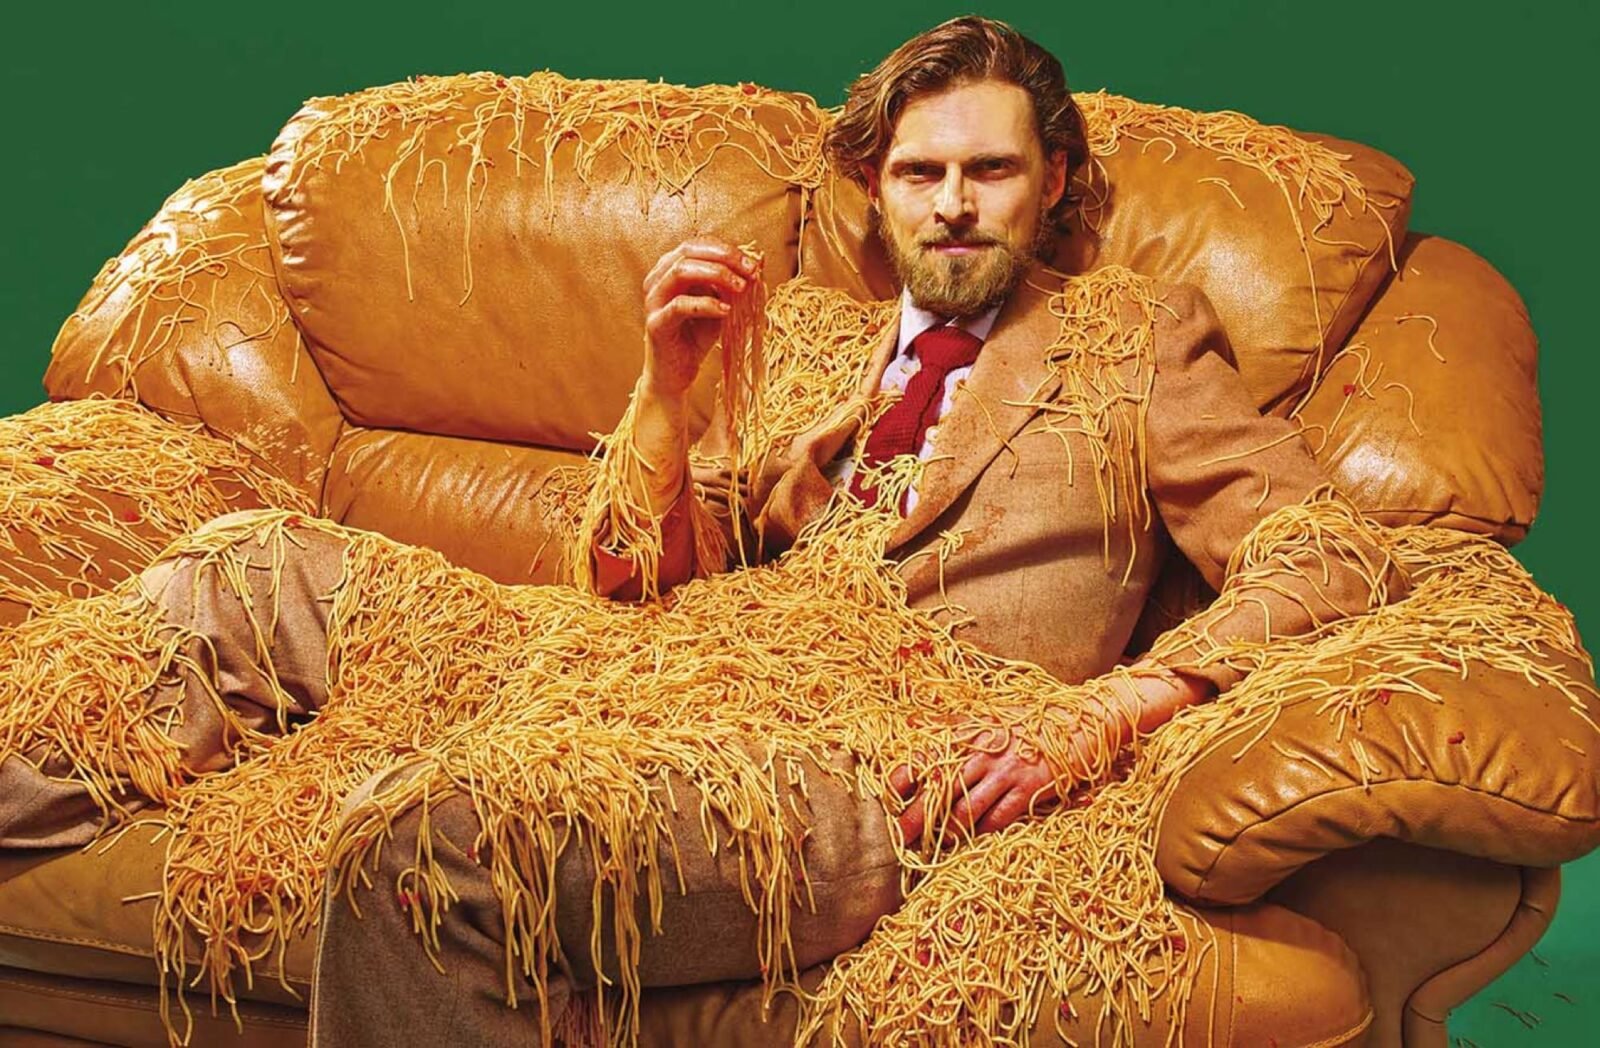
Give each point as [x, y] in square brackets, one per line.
[638, 559]
[618, 574]
[1217, 470]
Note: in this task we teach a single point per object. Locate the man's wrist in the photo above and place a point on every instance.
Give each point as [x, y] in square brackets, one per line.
[1158, 693]
[662, 387]
[661, 439]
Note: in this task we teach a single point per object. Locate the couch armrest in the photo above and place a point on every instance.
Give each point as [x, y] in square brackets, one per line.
[92, 490]
[1494, 766]
[188, 321]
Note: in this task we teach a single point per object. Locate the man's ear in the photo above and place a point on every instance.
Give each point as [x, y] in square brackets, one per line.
[869, 175]
[1055, 176]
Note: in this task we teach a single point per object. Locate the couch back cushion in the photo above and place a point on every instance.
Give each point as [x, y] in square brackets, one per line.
[465, 253]
[1288, 234]
[1430, 411]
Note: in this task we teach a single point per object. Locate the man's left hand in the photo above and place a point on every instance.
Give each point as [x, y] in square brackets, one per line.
[1005, 779]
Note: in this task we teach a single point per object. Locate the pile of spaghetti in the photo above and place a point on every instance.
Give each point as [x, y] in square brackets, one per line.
[557, 711]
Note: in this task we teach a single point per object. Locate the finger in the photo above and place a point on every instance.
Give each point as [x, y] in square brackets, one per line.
[901, 782]
[912, 822]
[683, 309]
[715, 249]
[971, 808]
[977, 766]
[1005, 811]
[692, 307]
[707, 249]
[667, 260]
[694, 276]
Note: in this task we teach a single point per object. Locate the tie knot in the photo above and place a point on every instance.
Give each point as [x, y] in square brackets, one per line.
[946, 347]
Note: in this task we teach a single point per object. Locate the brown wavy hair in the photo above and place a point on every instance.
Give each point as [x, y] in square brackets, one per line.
[962, 50]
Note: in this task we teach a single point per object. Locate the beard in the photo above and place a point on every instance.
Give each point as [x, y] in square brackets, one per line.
[959, 285]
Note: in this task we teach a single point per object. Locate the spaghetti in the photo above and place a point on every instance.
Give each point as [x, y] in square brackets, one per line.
[560, 714]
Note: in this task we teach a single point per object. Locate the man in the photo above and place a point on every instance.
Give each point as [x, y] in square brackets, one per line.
[965, 139]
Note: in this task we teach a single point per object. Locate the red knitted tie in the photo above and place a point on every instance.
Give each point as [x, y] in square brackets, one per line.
[901, 429]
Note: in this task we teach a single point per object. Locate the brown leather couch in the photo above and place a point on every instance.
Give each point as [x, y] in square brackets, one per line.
[427, 295]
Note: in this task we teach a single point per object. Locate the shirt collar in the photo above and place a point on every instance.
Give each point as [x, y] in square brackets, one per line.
[914, 320]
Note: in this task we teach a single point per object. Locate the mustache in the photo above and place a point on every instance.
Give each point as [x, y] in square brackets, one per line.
[961, 239]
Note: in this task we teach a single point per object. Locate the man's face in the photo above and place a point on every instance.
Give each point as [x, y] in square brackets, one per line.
[963, 193]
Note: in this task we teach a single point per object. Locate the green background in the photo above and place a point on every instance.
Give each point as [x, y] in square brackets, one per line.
[1490, 105]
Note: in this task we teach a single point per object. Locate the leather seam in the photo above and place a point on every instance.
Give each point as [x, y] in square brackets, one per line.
[121, 949]
[1344, 1038]
[39, 935]
[1233, 944]
[127, 1005]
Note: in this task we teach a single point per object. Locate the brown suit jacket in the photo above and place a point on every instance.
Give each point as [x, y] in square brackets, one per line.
[1043, 571]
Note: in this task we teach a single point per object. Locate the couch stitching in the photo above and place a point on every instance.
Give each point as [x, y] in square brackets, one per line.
[39, 935]
[1344, 1038]
[75, 940]
[120, 1002]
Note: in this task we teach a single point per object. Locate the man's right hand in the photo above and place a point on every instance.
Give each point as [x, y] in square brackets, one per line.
[687, 296]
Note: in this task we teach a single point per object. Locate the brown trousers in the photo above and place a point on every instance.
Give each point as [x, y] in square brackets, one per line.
[374, 983]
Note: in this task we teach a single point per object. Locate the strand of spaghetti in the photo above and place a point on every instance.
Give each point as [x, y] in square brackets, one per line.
[1432, 331]
[1411, 405]
[1227, 187]
[1232, 456]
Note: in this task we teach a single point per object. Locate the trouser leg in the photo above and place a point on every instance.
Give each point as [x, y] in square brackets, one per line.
[255, 620]
[374, 983]
[376, 986]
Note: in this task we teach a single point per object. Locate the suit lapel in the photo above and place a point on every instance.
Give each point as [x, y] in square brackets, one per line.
[1011, 374]
[794, 486]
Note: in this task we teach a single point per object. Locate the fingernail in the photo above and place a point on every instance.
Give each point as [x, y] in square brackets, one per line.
[738, 283]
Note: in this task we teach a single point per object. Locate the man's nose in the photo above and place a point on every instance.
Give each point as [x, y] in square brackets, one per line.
[954, 205]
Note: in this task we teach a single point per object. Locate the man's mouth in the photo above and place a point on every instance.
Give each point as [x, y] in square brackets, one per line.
[957, 247]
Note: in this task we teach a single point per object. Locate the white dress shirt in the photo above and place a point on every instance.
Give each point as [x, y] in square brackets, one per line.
[914, 321]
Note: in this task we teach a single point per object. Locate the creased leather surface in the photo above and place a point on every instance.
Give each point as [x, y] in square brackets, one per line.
[475, 501]
[1508, 789]
[542, 343]
[188, 320]
[1449, 434]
